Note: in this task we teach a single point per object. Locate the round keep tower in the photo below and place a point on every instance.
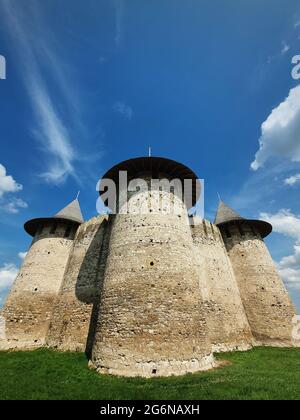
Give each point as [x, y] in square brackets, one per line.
[151, 319]
[28, 309]
[267, 304]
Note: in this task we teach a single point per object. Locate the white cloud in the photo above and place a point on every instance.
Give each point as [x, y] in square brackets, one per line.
[14, 205]
[290, 276]
[8, 273]
[22, 255]
[7, 183]
[285, 222]
[8, 186]
[292, 180]
[280, 132]
[288, 224]
[285, 48]
[297, 24]
[125, 110]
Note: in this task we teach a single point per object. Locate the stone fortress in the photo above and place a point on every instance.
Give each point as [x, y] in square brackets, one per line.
[151, 294]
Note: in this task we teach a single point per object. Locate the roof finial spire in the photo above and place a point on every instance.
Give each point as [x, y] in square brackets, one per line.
[78, 194]
[220, 199]
[149, 151]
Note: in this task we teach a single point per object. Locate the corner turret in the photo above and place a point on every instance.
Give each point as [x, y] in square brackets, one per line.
[226, 216]
[267, 304]
[29, 306]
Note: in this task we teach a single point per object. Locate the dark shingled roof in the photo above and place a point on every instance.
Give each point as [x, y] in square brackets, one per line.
[154, 166]
[226, 215]
[70, 213]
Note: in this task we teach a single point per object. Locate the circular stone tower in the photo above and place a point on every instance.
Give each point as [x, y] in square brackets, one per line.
[267, 304]
[28, 309]
[151, 319]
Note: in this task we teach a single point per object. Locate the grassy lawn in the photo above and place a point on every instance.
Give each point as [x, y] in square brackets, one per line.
[263, 373]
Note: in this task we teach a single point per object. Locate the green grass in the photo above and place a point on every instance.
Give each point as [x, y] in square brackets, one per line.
[262, 373]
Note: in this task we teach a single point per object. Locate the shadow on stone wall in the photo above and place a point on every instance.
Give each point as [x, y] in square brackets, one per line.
[90, 279]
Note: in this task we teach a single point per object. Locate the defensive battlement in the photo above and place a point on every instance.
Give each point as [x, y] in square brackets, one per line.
[204, 231]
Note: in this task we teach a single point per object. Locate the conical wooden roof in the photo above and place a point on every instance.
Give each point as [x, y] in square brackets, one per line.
[226, 214]
[71, 212]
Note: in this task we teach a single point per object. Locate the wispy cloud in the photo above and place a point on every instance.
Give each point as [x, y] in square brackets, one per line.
[36, 53]
[119, 11]
[22, 255]
[123, 109]
[297, 24]
[292, 180]
[56, 134]
[259, 189]
[14, 205]
[285, 48]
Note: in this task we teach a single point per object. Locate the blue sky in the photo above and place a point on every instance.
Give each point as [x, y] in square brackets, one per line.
[90, 83]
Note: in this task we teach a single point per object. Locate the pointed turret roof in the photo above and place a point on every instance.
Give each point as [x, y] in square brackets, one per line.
[226, 214]
[71, 212]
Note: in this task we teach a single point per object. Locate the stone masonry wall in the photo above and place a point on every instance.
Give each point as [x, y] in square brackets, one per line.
[228, 325]
[266, 301]
[30, 303]
[151, 318]
[71, 321]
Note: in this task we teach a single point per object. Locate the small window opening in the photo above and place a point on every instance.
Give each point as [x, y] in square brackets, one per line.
[154, 371]
[53, 229]
[40, 230]
[152, 263]
[241, 231]
[228, 234]
[68, 231]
